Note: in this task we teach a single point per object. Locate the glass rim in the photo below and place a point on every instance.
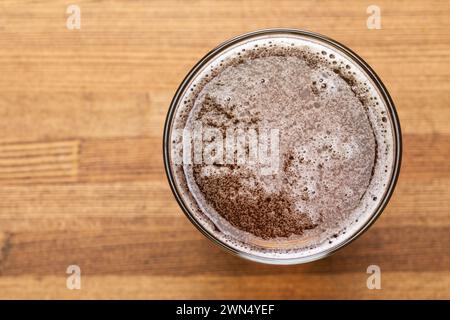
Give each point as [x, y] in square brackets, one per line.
[397, 146]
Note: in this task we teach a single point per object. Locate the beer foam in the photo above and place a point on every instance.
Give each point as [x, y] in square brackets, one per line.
[336, 146]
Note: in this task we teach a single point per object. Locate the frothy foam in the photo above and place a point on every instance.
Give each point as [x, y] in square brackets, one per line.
[336, 147]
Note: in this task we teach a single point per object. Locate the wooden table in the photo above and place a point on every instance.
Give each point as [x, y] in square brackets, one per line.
[81, 173]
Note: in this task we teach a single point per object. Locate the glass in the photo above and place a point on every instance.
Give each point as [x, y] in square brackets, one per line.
[356, 60]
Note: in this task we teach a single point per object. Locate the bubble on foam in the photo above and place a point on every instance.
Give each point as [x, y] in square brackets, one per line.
[325, 86]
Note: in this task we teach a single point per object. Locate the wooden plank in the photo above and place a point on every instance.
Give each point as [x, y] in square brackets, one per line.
[405, 285]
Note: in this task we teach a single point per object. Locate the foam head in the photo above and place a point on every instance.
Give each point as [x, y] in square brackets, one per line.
[291, 146]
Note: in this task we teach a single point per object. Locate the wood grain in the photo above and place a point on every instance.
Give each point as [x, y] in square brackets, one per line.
[81, 173]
